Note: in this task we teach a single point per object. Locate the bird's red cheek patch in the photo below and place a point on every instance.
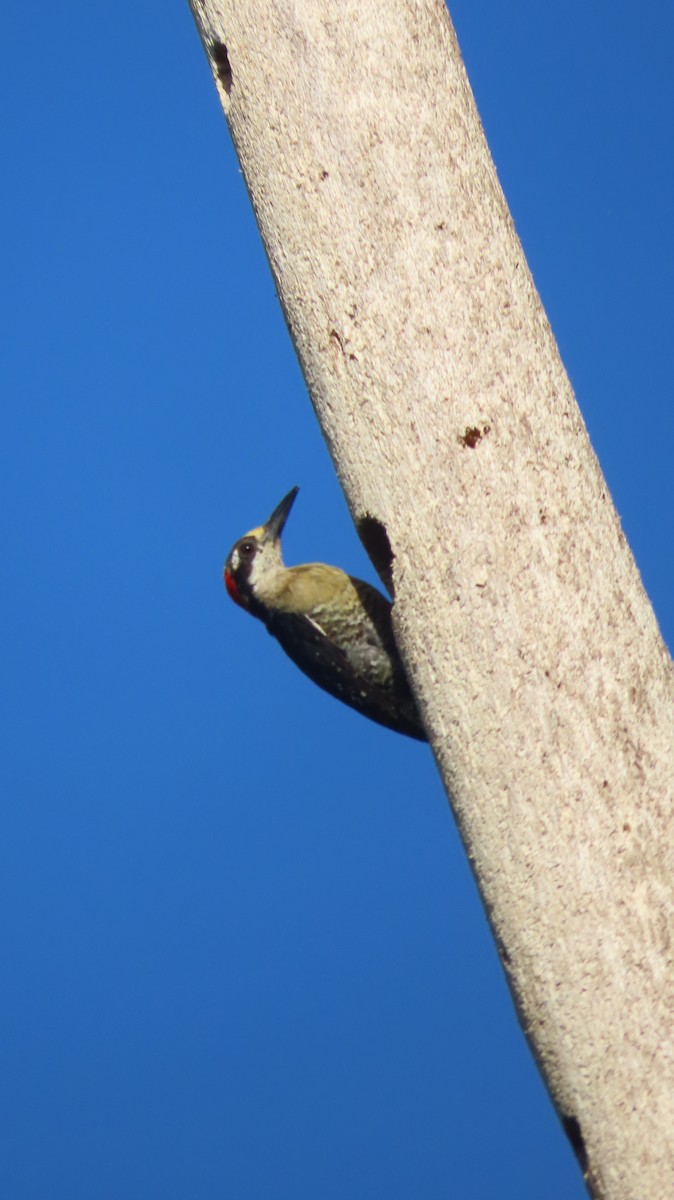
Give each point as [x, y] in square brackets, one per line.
[232, 589]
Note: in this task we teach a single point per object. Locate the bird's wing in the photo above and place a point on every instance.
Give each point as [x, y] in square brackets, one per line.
[328, 666]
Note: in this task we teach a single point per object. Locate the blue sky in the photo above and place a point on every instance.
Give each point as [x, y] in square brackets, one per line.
[242, 954]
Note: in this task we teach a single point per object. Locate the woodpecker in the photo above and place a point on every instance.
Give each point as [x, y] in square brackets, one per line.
[335, 628]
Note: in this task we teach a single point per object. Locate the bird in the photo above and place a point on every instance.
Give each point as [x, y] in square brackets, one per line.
[337, 629]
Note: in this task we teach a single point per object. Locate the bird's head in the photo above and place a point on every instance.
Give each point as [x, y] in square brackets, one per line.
[255, 558]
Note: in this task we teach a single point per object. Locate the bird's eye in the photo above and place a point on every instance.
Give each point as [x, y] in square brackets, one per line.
[246, 549]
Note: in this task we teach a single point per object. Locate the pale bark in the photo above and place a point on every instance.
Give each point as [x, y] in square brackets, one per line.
[539, 667]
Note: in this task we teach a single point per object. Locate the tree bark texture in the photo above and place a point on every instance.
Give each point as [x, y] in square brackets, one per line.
[538, 664]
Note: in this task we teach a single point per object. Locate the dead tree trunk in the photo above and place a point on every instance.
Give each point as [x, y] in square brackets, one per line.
[539, 667]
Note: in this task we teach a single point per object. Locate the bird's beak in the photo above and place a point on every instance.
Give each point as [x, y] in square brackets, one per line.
[274, 526]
